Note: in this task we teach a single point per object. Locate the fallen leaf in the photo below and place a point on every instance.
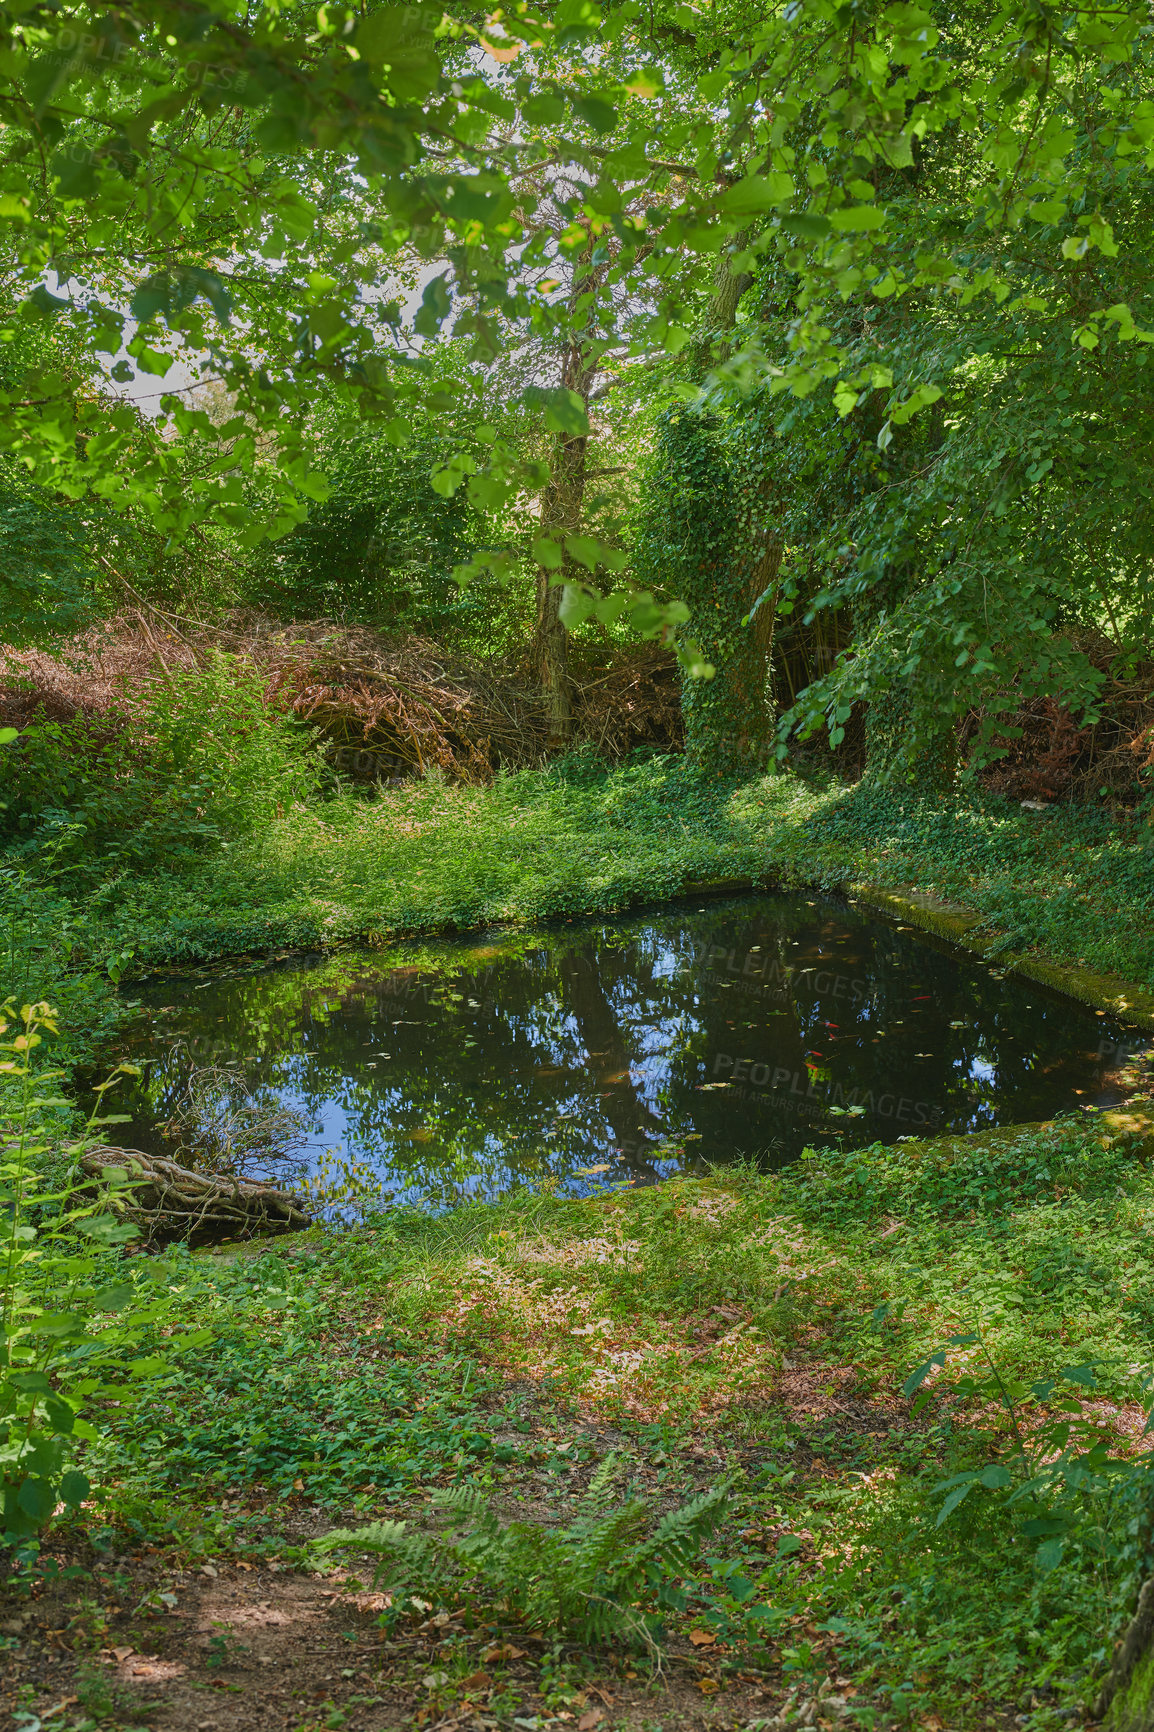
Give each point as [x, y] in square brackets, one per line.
[708, 1686]
[476, 1681]
[161, 1671]
[702, 1638]
[503, 1651]
[65, 1702]
[592, 1717]
[120, 1654]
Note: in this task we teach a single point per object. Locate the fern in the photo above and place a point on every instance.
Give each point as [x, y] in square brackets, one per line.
[599, 1576]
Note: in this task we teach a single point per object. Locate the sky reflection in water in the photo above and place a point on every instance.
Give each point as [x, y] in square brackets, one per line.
[745, 1029]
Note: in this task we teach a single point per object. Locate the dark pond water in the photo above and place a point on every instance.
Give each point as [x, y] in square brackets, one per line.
[744, 1029]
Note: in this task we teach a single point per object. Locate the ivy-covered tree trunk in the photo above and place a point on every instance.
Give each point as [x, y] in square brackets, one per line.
[729, 571]
[1126, 1701]
[708, 535]
[898, 756]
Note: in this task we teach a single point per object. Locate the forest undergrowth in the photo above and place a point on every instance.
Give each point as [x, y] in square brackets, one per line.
[226, 833]
[920, 1373]
[870, 1354]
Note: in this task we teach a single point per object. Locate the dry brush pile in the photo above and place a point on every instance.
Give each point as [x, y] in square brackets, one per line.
[387, 708]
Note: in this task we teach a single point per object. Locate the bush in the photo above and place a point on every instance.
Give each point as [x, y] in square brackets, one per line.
[74, 1317]
[588, 1580]
[204, 759]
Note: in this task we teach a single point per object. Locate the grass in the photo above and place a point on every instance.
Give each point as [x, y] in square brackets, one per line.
[576, 840]
[758, 1325]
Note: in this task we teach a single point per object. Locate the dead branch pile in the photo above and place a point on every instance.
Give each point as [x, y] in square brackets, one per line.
[1051, 757]
[388, 708]
[169, 1201]
[635, 701]
[392, 708]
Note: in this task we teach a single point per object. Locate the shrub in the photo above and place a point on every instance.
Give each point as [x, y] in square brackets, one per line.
[204, 759]
[588, 1580]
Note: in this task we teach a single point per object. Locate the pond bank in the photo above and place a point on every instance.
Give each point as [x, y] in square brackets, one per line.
[758, 1327]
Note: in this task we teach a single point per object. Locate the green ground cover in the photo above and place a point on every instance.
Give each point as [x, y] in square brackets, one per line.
[759, 1327]
[765, 1329]
[572, 840]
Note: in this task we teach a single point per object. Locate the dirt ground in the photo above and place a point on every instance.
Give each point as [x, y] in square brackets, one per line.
[226, 1645]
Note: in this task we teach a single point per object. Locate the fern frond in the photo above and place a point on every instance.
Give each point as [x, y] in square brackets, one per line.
[601, 1485]
[406, 1556]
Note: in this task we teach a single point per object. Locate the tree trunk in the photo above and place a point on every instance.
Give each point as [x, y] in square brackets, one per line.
[729, 720]
[561, 509]
[560, 516]
[1126, 1702]
[931, 767]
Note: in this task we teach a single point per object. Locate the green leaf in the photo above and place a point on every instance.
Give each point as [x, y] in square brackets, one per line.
[917, 1377]
[36, 1498]
[595, 112]
[1083, 1374]
[576, 605]
[548, 553]
[856, 218]
[436, 305]
[995, 1477]
[758, 193]
[807, 225]
[1043, 1527]
[564, 410]
[957, 1496]
[546, 108]
[74, 1488]
[585, 550]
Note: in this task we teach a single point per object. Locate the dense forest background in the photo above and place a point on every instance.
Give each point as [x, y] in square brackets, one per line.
[877, 468]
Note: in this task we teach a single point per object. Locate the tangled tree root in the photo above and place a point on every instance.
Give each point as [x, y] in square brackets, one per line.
[172, 1202]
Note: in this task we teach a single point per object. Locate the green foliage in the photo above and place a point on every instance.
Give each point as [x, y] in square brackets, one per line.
[285, 1413]
[1062, 1471]
[952, 1176]
[46, 570]
[202, 760]
[701, 536]
[381, 548]
[76, 1321]
[589, 1580]
[567, 842]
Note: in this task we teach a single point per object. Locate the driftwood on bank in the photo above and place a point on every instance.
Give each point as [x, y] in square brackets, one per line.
[169, 1201]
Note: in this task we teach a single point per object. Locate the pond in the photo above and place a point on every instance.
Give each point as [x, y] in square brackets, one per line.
[599, 1051]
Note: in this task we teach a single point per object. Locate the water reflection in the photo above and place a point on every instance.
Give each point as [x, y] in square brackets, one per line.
[747, 1029]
